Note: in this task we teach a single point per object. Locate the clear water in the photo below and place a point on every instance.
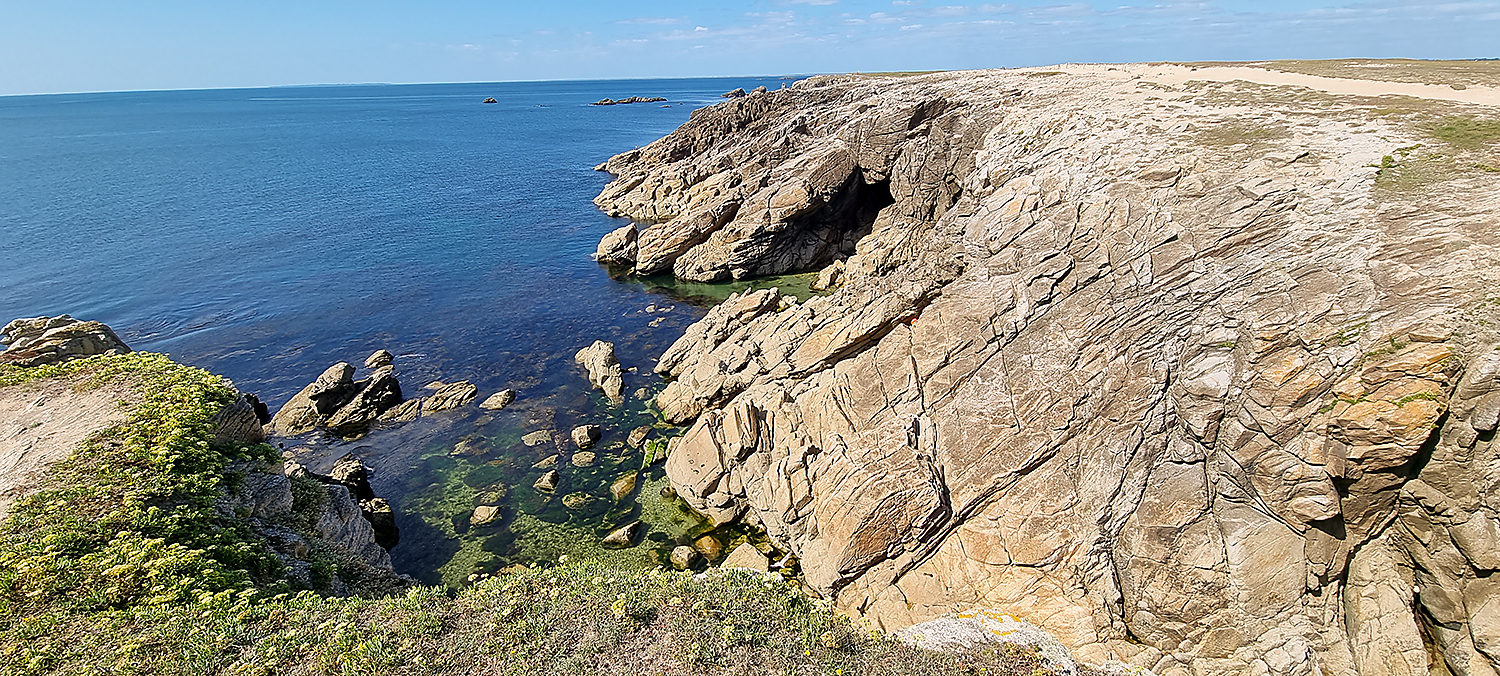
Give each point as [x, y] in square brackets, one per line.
[265, 234]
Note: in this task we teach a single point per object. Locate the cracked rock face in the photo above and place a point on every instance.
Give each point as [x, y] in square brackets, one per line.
[52, 340]
[1200, 399]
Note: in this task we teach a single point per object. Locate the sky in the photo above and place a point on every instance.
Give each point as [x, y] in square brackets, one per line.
[104, 45]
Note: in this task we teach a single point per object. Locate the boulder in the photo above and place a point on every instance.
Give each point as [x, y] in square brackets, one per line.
[498, 400]
[584, 436]
[484, 515]
[350, 472]
[373, 396]
[380, 358]
[53, 340]
[548, 482]
[709, 546]
[638, 436]
[624, 486]
[746, 557]
[451, 396]
[604, 370]
[829, 277]
[583, 459]
[382, 520]
[622, 537]
[241, 422]
[683, 557]
[618, 246]
[313, 404]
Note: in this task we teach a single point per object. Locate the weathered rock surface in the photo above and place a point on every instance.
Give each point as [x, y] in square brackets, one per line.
[498, 400]
[624, 536]
[683, 557]
[746, 557]
[976, 631]
[338, 402]
[379, 358]
[604, 369]
[51, 340]
[241, 422]
[584, 436]
[1168, 369]
[451, 396]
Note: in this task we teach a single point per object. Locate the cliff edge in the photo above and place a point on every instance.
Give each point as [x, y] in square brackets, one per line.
[1189, 370]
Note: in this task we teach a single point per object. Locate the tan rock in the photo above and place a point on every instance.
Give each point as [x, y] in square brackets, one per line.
[683, 557]
[498, 400]
[623, 486]
[746, 557]
[547, 483]
[484, 515]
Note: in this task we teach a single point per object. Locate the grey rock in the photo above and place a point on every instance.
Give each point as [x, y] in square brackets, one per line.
[622, 537]
[683, 557]
[537, 438]
[746, 557]
[604, 370]
[547, 463]
[451, 396]
[53, 340]
[380, 358]
[584, 436]
[548, 482]
[241, 422]
[498, 400]
[373, 396]
[320, 399]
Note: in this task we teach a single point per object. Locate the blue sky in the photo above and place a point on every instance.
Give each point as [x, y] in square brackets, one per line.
[93, 45]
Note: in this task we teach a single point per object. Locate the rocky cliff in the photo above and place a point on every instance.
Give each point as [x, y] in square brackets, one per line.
[1197, 374]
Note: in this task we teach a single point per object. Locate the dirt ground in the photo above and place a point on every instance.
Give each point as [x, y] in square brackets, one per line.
[43, 422]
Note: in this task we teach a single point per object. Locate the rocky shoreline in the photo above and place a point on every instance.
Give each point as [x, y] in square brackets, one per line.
[1198, 375]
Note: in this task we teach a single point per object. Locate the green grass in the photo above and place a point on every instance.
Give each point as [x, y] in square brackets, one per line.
[1466, 133]
[576, 618]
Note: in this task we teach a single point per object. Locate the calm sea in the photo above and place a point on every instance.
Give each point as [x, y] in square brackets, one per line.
[265, 234]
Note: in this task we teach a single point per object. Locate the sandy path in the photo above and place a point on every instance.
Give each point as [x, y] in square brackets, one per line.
[1176, 75]
[43, 423]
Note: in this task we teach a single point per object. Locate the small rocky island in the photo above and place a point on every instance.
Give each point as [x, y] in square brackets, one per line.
[628, 100]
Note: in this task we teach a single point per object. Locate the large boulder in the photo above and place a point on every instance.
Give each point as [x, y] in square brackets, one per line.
[343, 405]
[52, 340]
[604, 369]
[1214, 396]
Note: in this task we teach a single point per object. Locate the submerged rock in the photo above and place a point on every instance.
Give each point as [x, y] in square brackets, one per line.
[52, 340]
[583, 459]
[451, 396]
[485, 515]
[576, 500]
[548, 482]
[547, 462]
[604, 370]
[584, 436]
[623, 486]
[537, 438]
[746, 557]
[709, 546]
[498, 400]
[638, 435]
[622, 537]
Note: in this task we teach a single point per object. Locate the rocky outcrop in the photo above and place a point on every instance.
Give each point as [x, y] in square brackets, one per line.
[604, 370]
[628, 100]
[52, 340]
[1171, 370]
[339, 403]
[241, 422]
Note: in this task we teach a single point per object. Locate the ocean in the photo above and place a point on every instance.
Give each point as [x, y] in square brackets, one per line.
[265, 234]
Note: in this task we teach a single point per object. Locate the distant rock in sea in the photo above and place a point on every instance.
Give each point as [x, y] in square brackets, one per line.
[629, 99]
[491, 100]
[735, 93]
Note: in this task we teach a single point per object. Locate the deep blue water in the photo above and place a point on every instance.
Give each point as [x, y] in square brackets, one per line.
[265, 234]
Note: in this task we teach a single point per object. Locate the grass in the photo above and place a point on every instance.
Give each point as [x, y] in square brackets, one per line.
[1237, 133]
[120, 565]
[576, 618]
[1457, 74]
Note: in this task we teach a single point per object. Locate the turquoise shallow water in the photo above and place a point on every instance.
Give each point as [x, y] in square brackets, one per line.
[265, 234]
